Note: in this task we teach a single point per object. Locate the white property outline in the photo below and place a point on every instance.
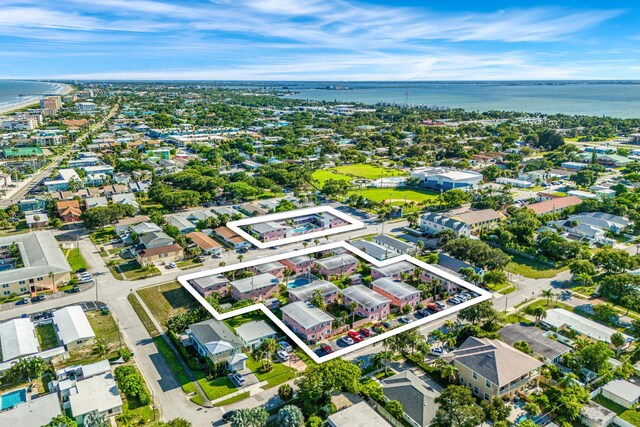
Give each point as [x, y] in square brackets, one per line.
[353, 224]
[184, 281]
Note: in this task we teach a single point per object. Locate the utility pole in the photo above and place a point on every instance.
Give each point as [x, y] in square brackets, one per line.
[95, 281]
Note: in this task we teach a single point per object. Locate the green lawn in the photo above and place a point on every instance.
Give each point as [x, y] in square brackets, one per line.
[630, 415]
[144, 317]
[142, 412]
[532, 269]
[216, 388]
[322, 176]
[103, 236]
[240, 320]
[279, 374]
[176, 367]
[190, 263]
[75, 259]
[166, 300]
[396, 195]
[47, 336]
[233, 399]
[368, 171]
[132, 270]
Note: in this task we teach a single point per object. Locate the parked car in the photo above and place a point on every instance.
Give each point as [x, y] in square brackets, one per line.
[81, 270]
[365, 331]
[171, 265]
[425, 312]
[438, 351]
[285, 346]
[26, 300]
[404, 320]
[227, 415]
[282, 355]
[326, 348]
[386, 325]
[38, 298]
[75, 289]
[355, 336]
[440, 304]
[347, 340]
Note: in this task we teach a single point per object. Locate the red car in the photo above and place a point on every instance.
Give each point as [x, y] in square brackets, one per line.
[355, 336]
[366, 332]
[326, 348]
[434, 307]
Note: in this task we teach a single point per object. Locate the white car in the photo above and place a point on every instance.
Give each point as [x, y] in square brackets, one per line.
[348, 340]
[171, 265]
[438, 351]
[282, 355]
[285, 346]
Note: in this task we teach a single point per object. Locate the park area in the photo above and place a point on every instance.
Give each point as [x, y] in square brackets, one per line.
[532, 269]
[396, 196]
[167, 300]
[350, 172]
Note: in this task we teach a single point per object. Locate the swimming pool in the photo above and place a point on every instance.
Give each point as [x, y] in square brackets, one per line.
[297, 282]
[4, 267]
[304, 228]
[14, 398]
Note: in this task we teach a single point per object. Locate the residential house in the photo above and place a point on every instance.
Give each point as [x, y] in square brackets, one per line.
[373, 249]
[358, 415]
[96, 394]
[252, 334]
[554, 205]
[491, 368]
[126, 199]
[259, 287]
[69, 211]
[122, 226]
[482, 219]
[72, 327]
[155, 239]
[232, 238]
[269, 231]
[18, 339]
[207, 245]
[94, 202]
[299, 264]
[328, 290]
[370, 305]
[181, 223]
[214, 340]
[307, 321]
[209, 285]
[36, 220]
[547, 349]
[336, 266]
[36, 412]
[563, 320]
[160, 255]
[394, 245]
[32, 204]
[397, 291]
[596, 415]
[416, 396]
[622, 392]
[433, 223]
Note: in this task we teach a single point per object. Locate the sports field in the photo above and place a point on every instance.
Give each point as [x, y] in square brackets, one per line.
[367, 171]
[396, 195]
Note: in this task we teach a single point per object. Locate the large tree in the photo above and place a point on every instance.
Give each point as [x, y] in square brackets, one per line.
[319, 381]
[457, 408]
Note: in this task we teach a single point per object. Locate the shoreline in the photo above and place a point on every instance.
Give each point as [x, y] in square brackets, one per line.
[66, 89]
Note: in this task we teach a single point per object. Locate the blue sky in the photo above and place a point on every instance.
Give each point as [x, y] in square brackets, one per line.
[319, 39]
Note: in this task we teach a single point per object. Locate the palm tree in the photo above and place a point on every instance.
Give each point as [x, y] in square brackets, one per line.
[100, 348]
[549, 294]
[316, 241]
[539, 313]
[352, 306]
[450, 325]
[450, 341]
[449, 371]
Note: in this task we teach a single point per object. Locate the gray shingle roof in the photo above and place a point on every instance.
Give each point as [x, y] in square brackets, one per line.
[444, 221]
[209, 281]
[210, 331]
[539, 343]
[398, 245]
[416, 396]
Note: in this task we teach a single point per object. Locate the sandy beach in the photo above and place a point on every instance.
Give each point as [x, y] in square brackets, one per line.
[34, 101]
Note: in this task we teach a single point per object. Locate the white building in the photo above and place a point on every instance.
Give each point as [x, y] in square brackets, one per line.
[439, 178]
[18, 339]
[72, 326]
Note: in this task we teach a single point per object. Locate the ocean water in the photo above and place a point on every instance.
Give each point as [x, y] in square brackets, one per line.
[15, 92]
[594, 98]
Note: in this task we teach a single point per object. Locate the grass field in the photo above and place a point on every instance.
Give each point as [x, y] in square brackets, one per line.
[176, 367]
[368, 171]
[144, 317]
[233, 399]
[75, 259]
[217, 387]
[279, 374]
[47, 336]
[322, 176]
[240, 320]
[166, 300]
[396, 195]
[532, 269]
[132, 270]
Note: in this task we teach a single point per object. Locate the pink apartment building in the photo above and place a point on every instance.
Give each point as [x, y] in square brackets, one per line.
[298, 264]
[269, 231]
[208, 285]
[371, 305]
[337, 265]
[447, 285]
[275, 268]
[393, 270]
[304, 293]
[398, 292]
[260, 287]
[309, 322]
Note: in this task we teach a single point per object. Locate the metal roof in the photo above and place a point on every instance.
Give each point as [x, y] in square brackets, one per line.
[255, 282]
[336, 261]
[395, 287]
[365, 296]
[72, 324]
[305, 315]
[304, 293]
[18, 338]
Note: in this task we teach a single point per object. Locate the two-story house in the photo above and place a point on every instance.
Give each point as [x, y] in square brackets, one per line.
[337, 265]
[307, 321]
[397, 291]
[214, 340]
[370, 305]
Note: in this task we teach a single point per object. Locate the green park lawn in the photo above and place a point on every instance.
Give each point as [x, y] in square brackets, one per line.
[75, 259]
[323, 176]
[167, 300]
[396, 195]
[532, 269]
[368, 171]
